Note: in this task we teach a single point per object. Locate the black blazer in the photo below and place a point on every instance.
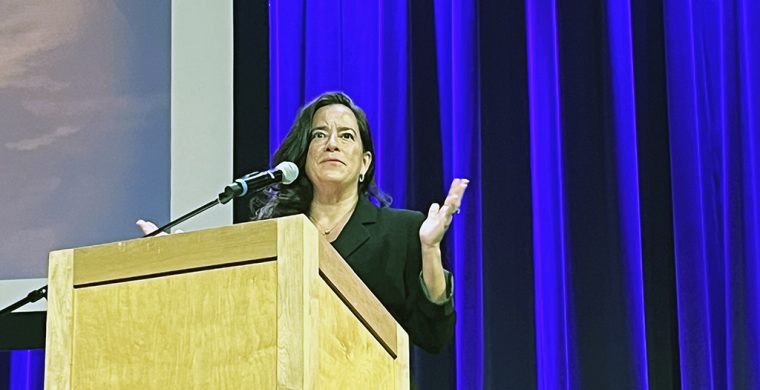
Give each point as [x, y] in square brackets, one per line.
[382, 245]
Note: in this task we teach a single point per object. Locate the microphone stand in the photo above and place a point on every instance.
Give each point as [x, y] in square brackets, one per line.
[33, 296]
[41, 292]
[165, 228]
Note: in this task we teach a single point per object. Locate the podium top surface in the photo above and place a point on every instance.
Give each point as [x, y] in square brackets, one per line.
[179, 252]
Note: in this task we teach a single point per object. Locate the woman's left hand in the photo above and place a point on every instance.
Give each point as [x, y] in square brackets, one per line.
[439, 217]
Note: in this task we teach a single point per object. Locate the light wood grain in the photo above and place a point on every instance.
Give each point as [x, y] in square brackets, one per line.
[401, 364]
[214, 329]
[298, 303]
[192, 311]
[60, 312]
[358, 296]
[350, 357]
[175, 252]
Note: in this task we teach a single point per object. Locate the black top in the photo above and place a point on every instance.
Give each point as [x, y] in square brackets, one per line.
[382, 245]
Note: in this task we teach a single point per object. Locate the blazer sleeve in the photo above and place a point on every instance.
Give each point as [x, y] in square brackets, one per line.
[430, 325]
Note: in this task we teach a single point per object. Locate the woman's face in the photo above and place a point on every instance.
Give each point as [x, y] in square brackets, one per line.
[336, 155]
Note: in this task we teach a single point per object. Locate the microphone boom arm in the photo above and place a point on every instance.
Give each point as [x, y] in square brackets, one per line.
[238, 188]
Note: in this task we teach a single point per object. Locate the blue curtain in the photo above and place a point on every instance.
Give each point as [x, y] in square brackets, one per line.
[612, 235]
[355, 47]
[589, 294]
[713, 59]
[363, 48]
[22, 369]
[457, 58]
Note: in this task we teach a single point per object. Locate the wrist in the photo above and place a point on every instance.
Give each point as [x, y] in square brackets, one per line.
[431, 259]
[430, 247]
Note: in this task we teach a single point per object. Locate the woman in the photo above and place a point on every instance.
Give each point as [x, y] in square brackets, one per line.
[395, 252]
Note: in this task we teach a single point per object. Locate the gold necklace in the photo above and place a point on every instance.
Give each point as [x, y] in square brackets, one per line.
[326, 232]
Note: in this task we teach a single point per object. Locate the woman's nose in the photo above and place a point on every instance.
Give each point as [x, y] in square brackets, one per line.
[332, 141]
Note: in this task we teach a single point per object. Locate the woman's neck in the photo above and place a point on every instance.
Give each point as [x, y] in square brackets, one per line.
[330, 214]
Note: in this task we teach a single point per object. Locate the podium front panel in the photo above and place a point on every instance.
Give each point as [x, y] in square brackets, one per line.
[211, 329]
[260, 305]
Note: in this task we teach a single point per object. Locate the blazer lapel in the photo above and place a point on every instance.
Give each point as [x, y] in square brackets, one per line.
[355, 232]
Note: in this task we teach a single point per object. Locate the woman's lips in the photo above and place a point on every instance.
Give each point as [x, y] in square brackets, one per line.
[332, 160]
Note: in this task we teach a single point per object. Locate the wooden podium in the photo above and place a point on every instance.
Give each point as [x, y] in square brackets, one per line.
[260, 305]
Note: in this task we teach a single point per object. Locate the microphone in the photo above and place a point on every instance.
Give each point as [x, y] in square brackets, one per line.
[285, 172]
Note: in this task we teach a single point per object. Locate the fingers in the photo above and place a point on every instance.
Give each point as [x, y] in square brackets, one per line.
[451, 204]
[433, 210]
[147, 227]
[440, 216]
[447, 211]
[454, 198]
[458, 187]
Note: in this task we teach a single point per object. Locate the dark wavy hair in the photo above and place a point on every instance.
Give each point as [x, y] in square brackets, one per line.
[281, 200]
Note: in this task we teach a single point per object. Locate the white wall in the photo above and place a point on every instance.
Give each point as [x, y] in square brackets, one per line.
[201, 122]
[201, 109]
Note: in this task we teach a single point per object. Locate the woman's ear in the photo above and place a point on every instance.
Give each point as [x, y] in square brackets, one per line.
[366, 162]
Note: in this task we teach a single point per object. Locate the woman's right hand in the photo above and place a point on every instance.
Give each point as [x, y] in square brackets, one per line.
[148, 227]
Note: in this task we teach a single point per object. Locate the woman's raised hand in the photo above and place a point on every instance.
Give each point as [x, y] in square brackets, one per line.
[439, 217]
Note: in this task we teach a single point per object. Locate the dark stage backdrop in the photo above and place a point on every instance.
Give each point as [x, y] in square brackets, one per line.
[610, 237]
